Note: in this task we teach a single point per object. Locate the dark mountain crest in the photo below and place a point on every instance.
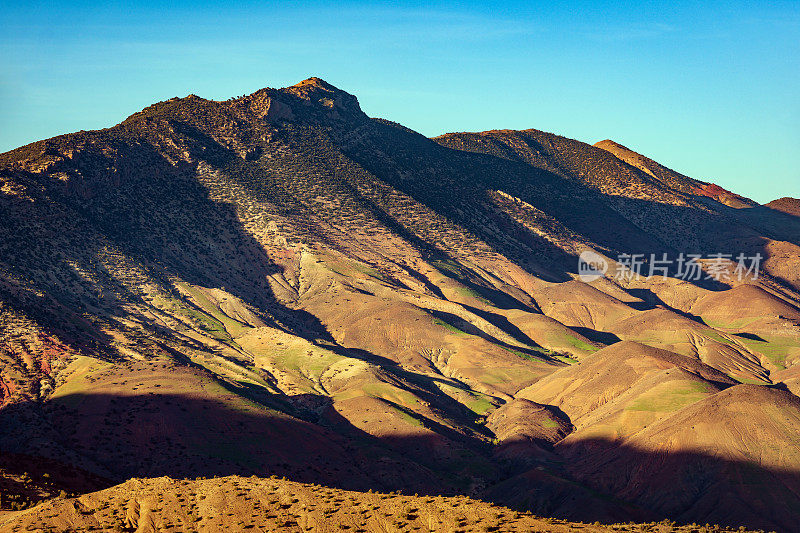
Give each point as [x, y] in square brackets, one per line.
[198, 127]
[312, 100]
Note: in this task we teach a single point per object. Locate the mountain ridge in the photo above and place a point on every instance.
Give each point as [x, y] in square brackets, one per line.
[288, 270]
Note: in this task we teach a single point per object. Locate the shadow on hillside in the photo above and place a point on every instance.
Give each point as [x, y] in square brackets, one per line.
[28, 480]
[690, 486]
[29, 255]
[454, 183]
[772, 223]
[57, 325]
[651, 300]
[151, 435]
[451, 179]
[594, 335]
[157, 212]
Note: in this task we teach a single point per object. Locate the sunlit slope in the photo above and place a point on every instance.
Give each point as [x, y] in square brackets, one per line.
[621, 389]
[279, 284]
[704, 461]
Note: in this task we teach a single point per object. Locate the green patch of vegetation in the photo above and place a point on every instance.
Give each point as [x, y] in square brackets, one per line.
[407, 418]
[369, 271]
[311, 362]
[549, 423]
[521, 355]
[749, 381]
[232, 328]
[475, 401]
[78, 373]
[449, 327]
[713, 335]
[736, 325]
[581, 345]
[774, 349]
[480, 405]
[449, 267]
[237, 372]
[391, 394]
[208, 324]
[567, 359]
[466, 291]
[671, 396]
[545, 353]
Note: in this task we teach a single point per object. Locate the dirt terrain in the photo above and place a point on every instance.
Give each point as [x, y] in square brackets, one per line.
[248, 503]
[278, 284]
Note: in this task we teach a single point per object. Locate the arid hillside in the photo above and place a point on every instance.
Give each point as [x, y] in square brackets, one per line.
[790, 206]
[278, 284]
[242, 504]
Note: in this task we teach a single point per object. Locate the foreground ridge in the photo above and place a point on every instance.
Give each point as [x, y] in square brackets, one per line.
[243, 503]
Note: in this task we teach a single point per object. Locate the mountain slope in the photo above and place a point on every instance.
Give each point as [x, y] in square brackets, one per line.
[279, 284]
[246, 503]
[704, 462]
[790, 206]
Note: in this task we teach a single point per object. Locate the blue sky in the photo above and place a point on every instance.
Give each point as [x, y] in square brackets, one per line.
[711, 91]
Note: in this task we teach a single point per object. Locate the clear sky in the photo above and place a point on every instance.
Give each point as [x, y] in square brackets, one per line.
[710, 90]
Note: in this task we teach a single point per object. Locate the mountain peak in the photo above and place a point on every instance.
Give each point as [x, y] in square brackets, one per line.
[316, 82]
[608, 142]
[310, 99]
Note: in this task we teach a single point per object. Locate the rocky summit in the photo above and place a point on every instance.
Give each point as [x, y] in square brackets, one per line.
[279, 285]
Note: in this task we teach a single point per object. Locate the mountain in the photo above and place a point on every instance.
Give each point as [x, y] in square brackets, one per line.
[278, 284]
[675, 180]
[790, 206]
